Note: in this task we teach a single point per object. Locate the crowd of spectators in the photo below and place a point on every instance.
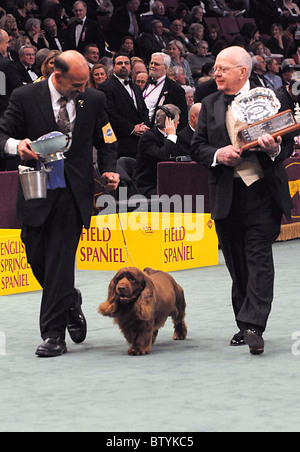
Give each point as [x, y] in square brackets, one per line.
[33, 32]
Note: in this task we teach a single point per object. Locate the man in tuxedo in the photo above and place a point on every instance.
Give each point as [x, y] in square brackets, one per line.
[26, 66]
[186, 135]
[55, 39]
[83, 31]
[126, 108]
[153, 41]
[248, 194]
[156, 145]
[259, 69]
[9, 81]
[52, 226]
[162, 90]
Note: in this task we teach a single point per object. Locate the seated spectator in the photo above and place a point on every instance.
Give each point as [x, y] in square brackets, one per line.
[207, 72]
[291, 7]
[196, 16]
[186, 135]
[125, 21]
[257, 77]
[176, 32]
[213, 36]
[26, 66]
[91, 54]
[271, 77]
[137, 66]
[278, 43]
[177, 53]
[154, 41]
[36, 34]
[141, 80]
[47, 67]
[127, 46]
[288, 68]
[22, 11]
[296, 55]
[182, 13]
[218, 8]
[196, 32]
[98, 75]
[198, 59]
[156, 145]
[158, 13]
[250, 33]
[55, 38]
[9, 24]
[258, 48]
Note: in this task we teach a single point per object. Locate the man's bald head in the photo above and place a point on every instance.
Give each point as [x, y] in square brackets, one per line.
[71, 74]
[232, 69]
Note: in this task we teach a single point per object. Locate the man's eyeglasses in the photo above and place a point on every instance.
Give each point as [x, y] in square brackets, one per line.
[224, 70]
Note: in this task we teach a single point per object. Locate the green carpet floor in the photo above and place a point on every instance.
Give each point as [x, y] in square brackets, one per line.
[200, 384]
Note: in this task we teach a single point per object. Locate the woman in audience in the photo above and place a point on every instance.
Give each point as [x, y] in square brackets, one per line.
[98, 74]
[177, 53]
[278, 43]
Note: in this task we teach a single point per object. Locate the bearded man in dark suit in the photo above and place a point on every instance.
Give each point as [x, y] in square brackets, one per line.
[162, 90]
[248, 195]
[126, 108]
[52, 226]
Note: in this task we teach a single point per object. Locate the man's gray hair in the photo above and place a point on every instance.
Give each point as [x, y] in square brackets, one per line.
[160, 116]
[166, 58]
[32, 22]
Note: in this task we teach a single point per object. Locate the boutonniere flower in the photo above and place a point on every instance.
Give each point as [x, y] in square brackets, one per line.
[81, 102]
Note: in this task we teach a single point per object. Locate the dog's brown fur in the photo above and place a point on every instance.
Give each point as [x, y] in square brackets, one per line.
[140, 302]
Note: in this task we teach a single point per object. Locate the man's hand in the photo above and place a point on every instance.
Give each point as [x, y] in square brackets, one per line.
[25, 150]
[170, 127]
[111, 180]
[269, 144]
[140, 129]
[229, 155]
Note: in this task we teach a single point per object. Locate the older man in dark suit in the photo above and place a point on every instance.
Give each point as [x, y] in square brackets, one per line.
[83, 31]
[126, 108]
[52, 226]
[248, 195]
[162, 90]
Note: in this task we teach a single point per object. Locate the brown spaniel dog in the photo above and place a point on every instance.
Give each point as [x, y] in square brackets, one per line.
[140, 302]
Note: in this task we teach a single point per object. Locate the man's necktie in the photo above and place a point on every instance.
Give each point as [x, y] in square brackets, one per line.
[79, 22]
[152, 82]
[229, 98]
[63, 120]
[128, 82]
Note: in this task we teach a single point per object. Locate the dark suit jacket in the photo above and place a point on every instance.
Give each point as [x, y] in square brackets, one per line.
[11, 82]
[23, 74]
[30, 115]
[119, 26]
[211, 134]
[91, 33]
[152, 149]
[149, 44]
[184, 140]
[173, 93]
[123, 115]
[52, 43]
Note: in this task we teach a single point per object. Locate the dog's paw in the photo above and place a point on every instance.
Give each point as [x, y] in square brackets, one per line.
[132, 351]
[180, 333]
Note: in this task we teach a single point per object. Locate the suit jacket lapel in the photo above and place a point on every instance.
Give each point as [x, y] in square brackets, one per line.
[220, 115]
[45, 105]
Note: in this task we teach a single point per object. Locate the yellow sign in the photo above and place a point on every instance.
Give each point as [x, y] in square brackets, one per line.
[163, 241]
[15, 273]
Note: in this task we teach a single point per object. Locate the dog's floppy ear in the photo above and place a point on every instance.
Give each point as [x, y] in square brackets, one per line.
[144, 304]
[110, 307]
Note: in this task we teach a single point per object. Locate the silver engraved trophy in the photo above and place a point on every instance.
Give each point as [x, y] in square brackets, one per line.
[259, 109]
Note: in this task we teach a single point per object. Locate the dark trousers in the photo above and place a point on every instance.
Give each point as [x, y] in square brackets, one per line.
[51, 250]
[246, 237]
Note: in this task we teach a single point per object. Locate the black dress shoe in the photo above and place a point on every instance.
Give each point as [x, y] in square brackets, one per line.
[255, 341]
[51, 347]
[238, 340]
[76, 321]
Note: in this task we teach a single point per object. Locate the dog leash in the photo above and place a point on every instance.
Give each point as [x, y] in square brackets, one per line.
[104, 189]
